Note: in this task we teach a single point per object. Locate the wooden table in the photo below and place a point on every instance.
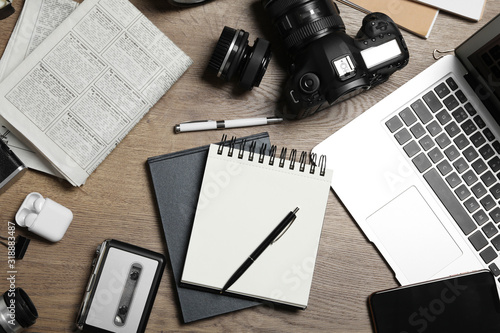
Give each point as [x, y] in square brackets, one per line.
[117, 201]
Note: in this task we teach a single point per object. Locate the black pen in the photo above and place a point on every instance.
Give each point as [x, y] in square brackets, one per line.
[273, 237]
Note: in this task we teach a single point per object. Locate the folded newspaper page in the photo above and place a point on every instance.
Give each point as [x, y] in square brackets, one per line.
[37, 20]
[77, 95]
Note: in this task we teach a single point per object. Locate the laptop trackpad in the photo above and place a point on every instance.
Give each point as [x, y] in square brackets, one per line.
[413, 236]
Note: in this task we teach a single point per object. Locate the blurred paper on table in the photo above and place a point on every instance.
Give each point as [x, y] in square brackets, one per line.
[471, 10]
[411, 16]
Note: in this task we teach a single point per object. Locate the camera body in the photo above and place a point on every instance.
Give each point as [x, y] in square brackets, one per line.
[328, 66]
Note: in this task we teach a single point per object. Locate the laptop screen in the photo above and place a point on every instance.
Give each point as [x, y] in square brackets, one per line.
[480, 54]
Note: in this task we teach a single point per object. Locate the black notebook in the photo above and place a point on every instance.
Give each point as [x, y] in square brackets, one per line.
[177, 179]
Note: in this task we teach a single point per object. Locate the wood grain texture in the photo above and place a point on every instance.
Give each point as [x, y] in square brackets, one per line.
[117, 200]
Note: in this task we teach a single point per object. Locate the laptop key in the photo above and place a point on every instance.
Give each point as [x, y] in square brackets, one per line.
[408, 116]
[469, 127]
[459, 115]
[442, 90]
[444, 167]
[434, 128]
[486, 151]
[469, 177]
[426, 142]
[496, 146]
[452, 129]
[453, 85]
[432, 101]
[402, 136]
[495, 191]
[421, 111]
[470, 154]
[443, 117]
[462, 192]
[461, 141]
[478, 189]
[460, 165]
[480, 122]
[496, 242]
[471, 205]
[494, 164]
[488, 179]
[451, 102]
[453, 180]
[411, 149]
[488, 134]
[480, 217]
[495, 215]
[417, 130]
[477, 139]
[494, 269]
[421, 162]
[470, 109]
[452, 153]
[436, 155]
[487, 202]
[394, 124]
[479, 166]
[478, 240]
[488, 255]
[461, 96]
[490, 230]
[443, 140]
[449, 200]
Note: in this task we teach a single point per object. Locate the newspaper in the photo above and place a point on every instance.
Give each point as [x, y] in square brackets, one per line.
[84, 88]
[36, 21]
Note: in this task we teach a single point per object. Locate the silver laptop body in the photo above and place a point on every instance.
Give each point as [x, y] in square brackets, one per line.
[429, 204]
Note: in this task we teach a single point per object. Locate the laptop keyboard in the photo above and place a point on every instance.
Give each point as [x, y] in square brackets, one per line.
[458, 156]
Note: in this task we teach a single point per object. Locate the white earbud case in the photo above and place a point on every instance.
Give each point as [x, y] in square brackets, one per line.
[44, 217]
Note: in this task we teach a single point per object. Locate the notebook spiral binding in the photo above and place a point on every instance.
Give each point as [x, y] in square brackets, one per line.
[314, 161]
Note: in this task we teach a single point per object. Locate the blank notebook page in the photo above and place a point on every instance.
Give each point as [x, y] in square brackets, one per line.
[240, 203]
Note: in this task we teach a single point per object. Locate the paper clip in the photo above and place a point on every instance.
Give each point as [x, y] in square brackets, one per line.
[436, 54]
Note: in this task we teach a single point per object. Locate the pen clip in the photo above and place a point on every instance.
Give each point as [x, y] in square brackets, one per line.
[196, 121]
[287, 227]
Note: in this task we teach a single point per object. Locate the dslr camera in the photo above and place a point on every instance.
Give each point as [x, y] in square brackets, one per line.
[328, 66]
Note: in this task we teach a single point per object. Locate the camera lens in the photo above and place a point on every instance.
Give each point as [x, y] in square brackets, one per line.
[17, 311]
[300, 22]
[233, 55]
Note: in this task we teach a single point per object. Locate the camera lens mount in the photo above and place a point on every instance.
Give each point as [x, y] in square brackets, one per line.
[233, 55]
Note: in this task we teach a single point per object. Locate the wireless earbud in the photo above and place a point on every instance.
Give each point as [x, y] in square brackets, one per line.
[29, 220]
[38, 204]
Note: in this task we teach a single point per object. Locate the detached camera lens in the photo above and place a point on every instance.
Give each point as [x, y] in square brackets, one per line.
[233, 56]
[17, 311]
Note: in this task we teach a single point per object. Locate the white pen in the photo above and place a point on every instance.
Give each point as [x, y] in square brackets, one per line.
[203, 125]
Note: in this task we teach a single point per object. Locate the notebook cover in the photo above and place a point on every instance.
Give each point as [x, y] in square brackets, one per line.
[412, 16]
[177, 179]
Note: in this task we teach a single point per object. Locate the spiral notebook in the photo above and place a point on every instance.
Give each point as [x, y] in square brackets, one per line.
[244, 195]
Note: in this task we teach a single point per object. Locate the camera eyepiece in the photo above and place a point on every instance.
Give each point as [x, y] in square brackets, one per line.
[300, 22]
[233, 55]
[17, 311]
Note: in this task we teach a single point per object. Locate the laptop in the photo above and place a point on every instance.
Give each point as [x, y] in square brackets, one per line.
[420, 171]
